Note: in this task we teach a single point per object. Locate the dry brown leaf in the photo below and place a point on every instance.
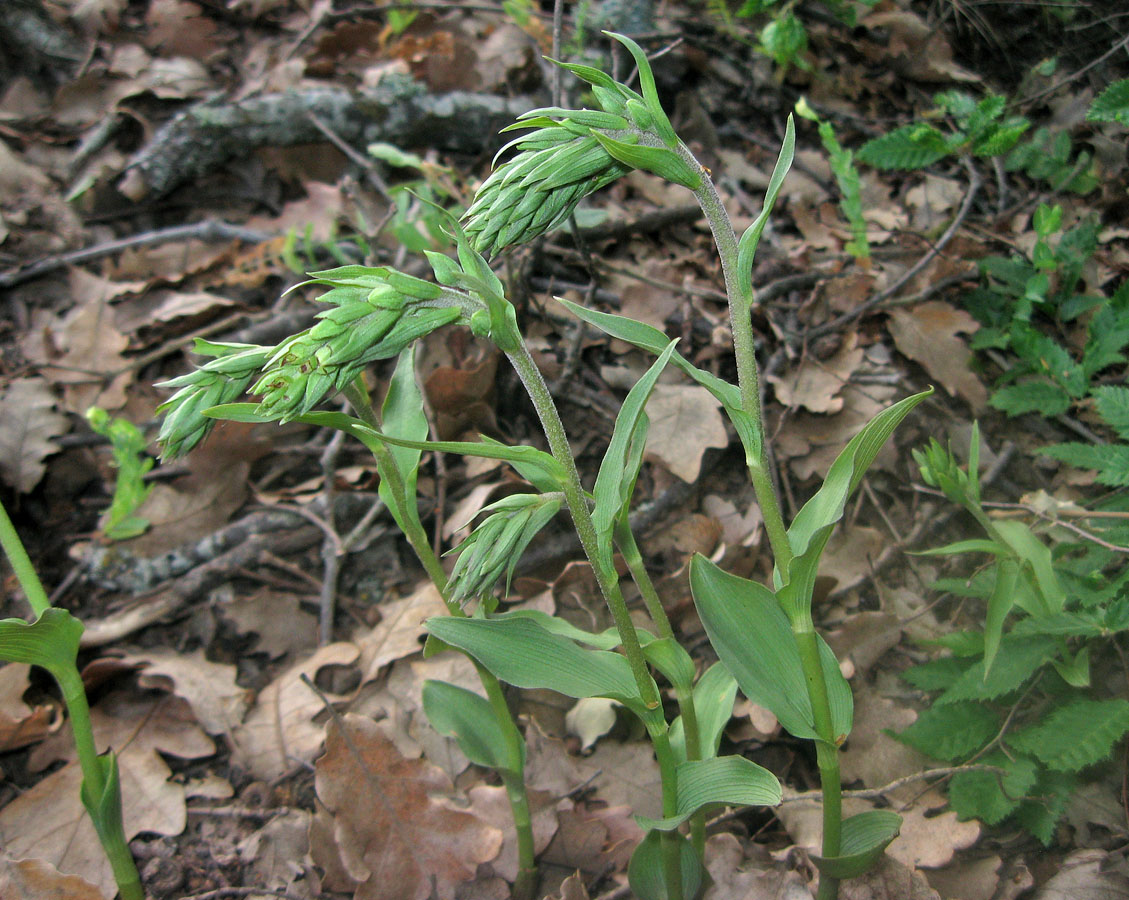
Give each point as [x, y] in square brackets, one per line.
[210, 689]
[816, 384]
[871, 757]
[37, 879]
[914, 48]
[492, 805]
[396, 838]
[968, 879]
[177, 28]
[466, 509]
[685, 422]
[277, 618]
[929, 837]
[865, 637]
[279, 731]
[31, 424]
[850, 555]
[1086, 875]
[48, 820]
[277, 856]
[889, 880]
[927, 334]
[572, 888]
[83, 351]
[400, 629]
[20, 724]
[735, 877]
[735, 527]
[812, 442]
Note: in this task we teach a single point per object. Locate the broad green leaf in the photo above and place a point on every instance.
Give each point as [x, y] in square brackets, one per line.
[753, 638]
[1031, 396]
[402, 416]
[865, 837]
[649, 338]
[608, 639]
[747, 247]
[938, 674]
[988, 797]
[659, 161]
[1046, 802]
[974, 545]
[668, 657]
[999, 605]
[51, 641]
[1075, 736]
[520, 652]
[909, 147]
[714, 695]
[864, 840]
[615, 481]
[1074, 669]
[105, 811]
[812, 527]
[645, 870]
[1111, 105]
[469, 719]
[952, 731]
[720, 780]
[650, 91]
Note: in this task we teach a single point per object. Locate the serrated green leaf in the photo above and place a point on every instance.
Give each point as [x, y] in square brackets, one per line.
[909, 147]
[1075, 736]
[988, 796]
[1015, 663]
[1031, 396]
[937, 674]
[753, 638]
[722, 780]
[1046, 802]
[469, 719]
[645, 870]
[1111, 105]
[952, 731]
[865, 838]
[521, 653]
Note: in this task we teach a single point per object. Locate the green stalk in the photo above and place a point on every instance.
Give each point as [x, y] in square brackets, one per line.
[111, 831]
[526, 883]
[554, 430]
[671, 851]
[826, 749]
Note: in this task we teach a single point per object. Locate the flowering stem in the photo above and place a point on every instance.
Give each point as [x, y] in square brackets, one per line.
[606, 577]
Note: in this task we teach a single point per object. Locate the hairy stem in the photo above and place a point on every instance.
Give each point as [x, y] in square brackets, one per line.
[605, 574]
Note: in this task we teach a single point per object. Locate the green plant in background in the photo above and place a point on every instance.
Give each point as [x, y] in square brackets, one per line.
[1111, 105]
[765, 636]
[127, 444]
[1036, 308]
[52, 642]
[979, 127]
[847, 175]
[1016, 694]
[784, 37]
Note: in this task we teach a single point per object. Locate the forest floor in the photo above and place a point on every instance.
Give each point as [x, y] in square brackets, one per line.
[169, 168]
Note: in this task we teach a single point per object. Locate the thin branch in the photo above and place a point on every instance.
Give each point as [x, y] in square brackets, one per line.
[871, 793]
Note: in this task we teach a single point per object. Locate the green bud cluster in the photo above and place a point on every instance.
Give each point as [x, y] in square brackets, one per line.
[376, 313]
[496, 545]
[223, 380]
[571, 154]
[940, 469]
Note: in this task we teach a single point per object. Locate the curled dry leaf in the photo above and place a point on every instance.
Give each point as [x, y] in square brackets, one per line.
[395, 837]
[685, 422]
[20, 724]
[279, 731]
[37, 879]
[31, 425]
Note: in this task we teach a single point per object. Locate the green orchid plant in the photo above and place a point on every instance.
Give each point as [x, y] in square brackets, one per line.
[764, 635]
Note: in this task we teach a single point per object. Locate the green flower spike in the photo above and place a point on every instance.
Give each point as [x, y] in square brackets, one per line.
[377, 313]
[573, 153]
[223, 380]
[496, 545]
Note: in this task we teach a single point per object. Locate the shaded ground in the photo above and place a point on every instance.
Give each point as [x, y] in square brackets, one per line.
[199, 629]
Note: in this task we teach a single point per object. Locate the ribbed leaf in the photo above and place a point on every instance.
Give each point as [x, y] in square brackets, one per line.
[753, 638]
[650, 91]
[51, 641]
[985, 796]
[999, 605]
[659, 161]
[1075, 736]
[1111, 105]
[865, 838]
[909, 147]
[521, 653]
[645, 870]
[720, 781]
[1016, 661]
[468, 718]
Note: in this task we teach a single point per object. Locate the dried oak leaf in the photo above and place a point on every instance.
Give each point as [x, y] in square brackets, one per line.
[889, 880]
[20, 724]
[816, 384]
[31, 424]
[395, 836]
[37, 879]
[49, 822]
[928, 334]
[400, 629]
[685, 422]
